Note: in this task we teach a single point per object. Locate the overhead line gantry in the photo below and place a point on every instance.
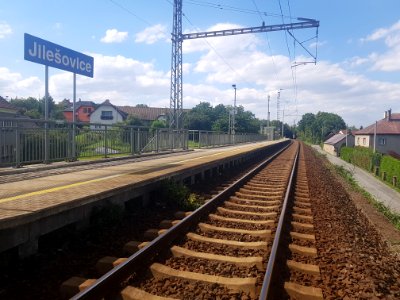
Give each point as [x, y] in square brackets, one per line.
[176, 94]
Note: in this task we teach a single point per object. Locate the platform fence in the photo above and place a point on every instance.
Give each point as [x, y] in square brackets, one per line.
[210, 139]
[28, 141]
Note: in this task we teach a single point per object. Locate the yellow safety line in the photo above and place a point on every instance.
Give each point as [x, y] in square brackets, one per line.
[86, 182]
[186, 160]
[56, 188]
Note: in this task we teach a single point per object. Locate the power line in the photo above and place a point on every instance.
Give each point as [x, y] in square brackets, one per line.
[130, 12]
[268, 42]
[232, 8]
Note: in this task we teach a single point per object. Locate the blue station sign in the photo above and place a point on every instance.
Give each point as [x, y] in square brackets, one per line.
[47, 53]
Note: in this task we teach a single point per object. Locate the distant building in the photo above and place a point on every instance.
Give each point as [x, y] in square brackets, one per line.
[106, 113]
[7, 110]
[7, 134]
[83, 109]
[334, 144]
[146, 114]
[387, 133]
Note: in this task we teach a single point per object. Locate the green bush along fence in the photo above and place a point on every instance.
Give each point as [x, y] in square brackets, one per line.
[384, 166]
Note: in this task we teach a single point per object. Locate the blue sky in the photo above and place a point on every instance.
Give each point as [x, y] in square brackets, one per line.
[356, 75]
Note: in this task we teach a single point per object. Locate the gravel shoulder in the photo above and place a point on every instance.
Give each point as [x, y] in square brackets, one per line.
[389, 233]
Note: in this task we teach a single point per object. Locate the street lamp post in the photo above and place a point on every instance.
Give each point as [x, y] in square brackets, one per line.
[234, 113]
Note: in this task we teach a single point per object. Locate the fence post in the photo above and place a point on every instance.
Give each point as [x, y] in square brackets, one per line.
[157, 135]
[376, 171]
[384, 176]
[139, 150]
[132, 140]
[17, 148]
[394, 180]
[46, 142]
[105, 142]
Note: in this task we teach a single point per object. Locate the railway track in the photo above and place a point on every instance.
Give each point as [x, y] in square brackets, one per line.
[251, 241]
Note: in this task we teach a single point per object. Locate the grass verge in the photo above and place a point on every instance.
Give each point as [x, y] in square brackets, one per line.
[393, 217]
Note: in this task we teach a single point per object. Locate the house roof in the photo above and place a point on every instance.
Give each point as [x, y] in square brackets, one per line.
[5, 104]
[108, 103]
[384, 126]
[145, 113]
[335, 139]
[80, 103]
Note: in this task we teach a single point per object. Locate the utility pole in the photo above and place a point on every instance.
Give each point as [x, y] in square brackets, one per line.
[234, 110]
[269, 114]
[176, 103]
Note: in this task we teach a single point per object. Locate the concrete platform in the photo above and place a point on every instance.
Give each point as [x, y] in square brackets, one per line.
[31, 208]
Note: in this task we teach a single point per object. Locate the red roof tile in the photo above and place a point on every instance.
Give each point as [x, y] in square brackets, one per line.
[5, 104]
[145, 113]
[384, 126]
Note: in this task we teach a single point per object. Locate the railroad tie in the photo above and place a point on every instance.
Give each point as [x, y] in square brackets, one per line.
[261, 233]
[223, 210]
[251, 245]
[132, 293]
[166, 224]
[134, 246]
[151, 234]
[182, 214]
[74, 285]
[247, 285]
[107, 263]
[239, 261]
[234, 220]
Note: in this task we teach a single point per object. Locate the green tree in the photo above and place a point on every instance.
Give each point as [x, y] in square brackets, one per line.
[200, 117]
[157, 124]
[315, 128]
[133, 121]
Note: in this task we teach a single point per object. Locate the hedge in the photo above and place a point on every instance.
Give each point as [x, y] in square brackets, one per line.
[391, 166]
[360, 156]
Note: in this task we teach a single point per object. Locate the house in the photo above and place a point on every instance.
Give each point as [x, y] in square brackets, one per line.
[106, 113]
[333, 144]
[7, 134]
[146, 114]
[7, 110]
[83, 109]
[384, 135]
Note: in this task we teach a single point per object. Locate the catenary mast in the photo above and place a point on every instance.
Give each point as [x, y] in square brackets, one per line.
[176, 102]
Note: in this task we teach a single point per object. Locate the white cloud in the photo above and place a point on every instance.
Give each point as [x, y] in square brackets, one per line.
[151, 34]
[125, 81]
[114, 36]
[382, 33]
[209, 73]
[389, 60]
[5, 29]
[13, 84]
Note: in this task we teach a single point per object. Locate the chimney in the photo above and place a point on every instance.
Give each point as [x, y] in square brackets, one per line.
[385, 114]
[389, 114]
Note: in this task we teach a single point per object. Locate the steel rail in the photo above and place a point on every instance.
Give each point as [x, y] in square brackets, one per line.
[106, 285]
[274, 249]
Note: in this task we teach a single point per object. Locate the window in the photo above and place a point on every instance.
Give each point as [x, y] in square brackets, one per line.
[358, 141]
[364, 141]
[85, 110]
[382, 141]
[106, 115]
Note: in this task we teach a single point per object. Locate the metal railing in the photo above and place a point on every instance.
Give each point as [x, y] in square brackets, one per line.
[208, 139]
[27, 141]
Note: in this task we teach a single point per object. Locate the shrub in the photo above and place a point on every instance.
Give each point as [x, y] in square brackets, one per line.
[177, 195]
[391, 166]
[360, 156]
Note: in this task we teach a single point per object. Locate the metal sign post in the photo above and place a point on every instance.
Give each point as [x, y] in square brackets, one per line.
[49, 54]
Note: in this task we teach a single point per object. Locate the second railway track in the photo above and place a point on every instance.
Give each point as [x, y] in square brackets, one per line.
[227, 248]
